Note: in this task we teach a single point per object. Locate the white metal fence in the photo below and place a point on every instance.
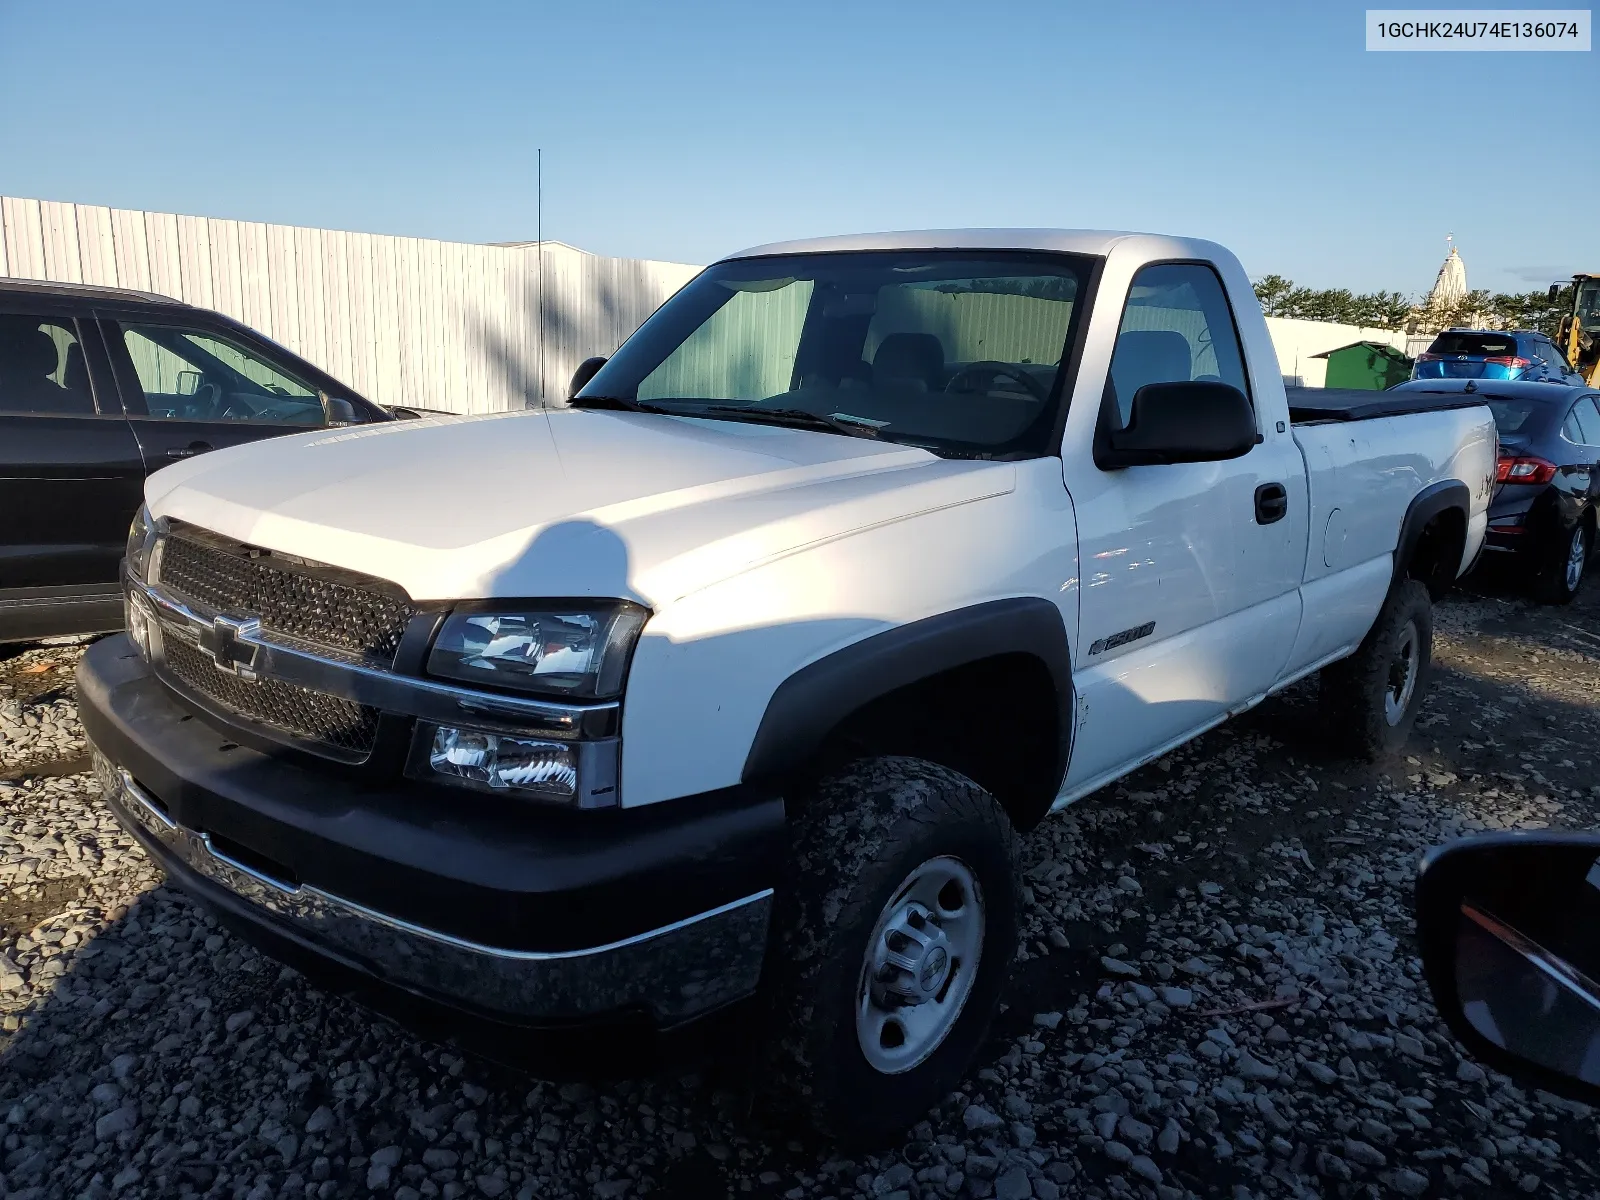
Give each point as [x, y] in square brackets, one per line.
[401, 320]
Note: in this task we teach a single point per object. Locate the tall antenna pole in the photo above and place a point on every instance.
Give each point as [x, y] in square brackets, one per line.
[539, 233]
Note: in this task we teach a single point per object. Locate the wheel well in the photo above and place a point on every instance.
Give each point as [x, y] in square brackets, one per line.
[996, 720]
[1436, 555]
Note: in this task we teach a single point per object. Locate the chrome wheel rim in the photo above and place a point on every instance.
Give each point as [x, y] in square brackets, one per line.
[1577, 558]
[920, 964]
[1402, 675]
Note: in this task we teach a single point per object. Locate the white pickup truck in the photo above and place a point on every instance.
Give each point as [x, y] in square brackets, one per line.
[733, 686]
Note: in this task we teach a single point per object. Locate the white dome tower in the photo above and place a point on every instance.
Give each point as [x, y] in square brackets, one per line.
[1451, 285]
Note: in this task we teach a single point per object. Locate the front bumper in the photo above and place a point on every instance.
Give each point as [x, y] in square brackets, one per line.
[598, 916]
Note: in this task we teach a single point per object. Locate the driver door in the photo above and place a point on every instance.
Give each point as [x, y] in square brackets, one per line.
[189, 387]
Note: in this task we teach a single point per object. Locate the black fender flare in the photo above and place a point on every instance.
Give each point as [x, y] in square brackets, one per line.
[810, 703]
[1427, 504]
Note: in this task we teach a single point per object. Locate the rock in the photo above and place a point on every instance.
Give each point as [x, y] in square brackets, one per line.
[1145, 1168]
[1408, 1182]
[980, 1120]
[387, 1157]
[320, 1121]
[1170, 1138]
[1013, 1185]
[1047, 1020]
[492, 1185]
[1115, 966]
[1175, 997]
[1254, 1069]
[117, 1121]
[378, 1177]
[1469, 1072]
[105, 1093]
[1322, 1073]
[1133, 1130]
[1118, 1153]
[1105, 1124]
[239, 1020]
[1364, 1153]
[894, 1178]
[1023, 1134]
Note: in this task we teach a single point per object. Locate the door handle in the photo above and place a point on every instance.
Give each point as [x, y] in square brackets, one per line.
[1272, 503]
[188, 451]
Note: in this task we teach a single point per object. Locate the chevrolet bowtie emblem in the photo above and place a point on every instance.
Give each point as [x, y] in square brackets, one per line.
[229, 643]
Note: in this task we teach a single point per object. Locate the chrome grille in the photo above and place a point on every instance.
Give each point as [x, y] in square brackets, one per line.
[338, 728]
[341, 610]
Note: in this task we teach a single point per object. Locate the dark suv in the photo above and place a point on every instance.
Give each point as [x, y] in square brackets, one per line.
[99, 387]
[1486, 354]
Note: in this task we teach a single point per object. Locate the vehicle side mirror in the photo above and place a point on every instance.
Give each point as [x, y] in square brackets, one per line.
[1555, 290]
[1509, 926]
[339, 411]
[405, 414]
[585, 372]
[188, 383]
[1191, 421]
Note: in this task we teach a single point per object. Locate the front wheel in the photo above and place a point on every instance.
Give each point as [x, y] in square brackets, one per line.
[896, 933]
[1371, 699]
[1564, 571]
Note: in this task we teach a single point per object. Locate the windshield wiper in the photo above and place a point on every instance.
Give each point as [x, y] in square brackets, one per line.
[796, 418]
[621, 403]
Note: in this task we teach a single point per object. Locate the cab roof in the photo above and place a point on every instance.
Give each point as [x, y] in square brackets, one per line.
[86, 291]
[1069, 241]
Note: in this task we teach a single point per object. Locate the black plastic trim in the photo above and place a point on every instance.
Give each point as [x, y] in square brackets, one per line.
[1427, 504]
[812, 701]
[489, 869]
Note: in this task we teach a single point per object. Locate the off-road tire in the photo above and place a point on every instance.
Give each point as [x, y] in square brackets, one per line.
[1551, 585]
[1354, 690]
[861, 832]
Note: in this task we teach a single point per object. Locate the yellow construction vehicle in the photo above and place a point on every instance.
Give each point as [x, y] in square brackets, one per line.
[1579, 336]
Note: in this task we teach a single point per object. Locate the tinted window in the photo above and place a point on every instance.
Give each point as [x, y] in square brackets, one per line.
[41, 367]
[1513, 415]
[1588, 421]
[956, 351]
[1554, 356]
[1478, 345]
[1177, 326]
[197, 375]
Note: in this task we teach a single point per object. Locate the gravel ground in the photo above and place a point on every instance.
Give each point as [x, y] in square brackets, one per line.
[1217, 995]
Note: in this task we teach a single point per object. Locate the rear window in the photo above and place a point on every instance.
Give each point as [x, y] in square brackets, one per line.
[1479, 345]
[1514, 416]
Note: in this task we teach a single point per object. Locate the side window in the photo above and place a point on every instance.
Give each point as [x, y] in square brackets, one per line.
[1177, 326]
[1587, 418]
[198, 375]
[42, 370]
[1554, 356]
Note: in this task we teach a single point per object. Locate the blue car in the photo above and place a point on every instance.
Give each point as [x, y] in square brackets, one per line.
[1542, 517]
[1486, 354]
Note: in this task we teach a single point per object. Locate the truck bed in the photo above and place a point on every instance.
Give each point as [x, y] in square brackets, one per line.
[1310, 405]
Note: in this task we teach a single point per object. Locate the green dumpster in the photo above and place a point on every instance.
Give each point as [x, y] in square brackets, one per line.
[1366, 366]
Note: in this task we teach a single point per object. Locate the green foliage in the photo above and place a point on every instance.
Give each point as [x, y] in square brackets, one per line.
[1280, 297]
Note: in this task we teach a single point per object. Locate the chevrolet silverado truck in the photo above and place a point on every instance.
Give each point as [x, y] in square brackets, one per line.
[733, 685]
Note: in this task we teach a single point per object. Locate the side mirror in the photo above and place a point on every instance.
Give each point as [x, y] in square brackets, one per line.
[1509, 926]
[1192, 421]
[1555, 290]
[188, 383]
[339, 411]
[585, 372]
[402, 413]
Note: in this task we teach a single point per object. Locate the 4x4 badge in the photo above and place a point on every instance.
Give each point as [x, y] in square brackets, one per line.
[228, 643]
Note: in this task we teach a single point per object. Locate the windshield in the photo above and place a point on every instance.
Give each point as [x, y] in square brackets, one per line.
[957, 352]
[1479, 345]
[1515, 416]
[1589, 305]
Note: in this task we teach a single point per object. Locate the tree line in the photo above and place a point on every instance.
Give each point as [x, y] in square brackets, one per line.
[1281, 297]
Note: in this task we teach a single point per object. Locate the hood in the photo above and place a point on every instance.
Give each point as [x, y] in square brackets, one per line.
[560, 504]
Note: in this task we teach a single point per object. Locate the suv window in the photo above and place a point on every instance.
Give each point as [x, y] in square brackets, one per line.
[1177, 326]
[1551, 353]
[1477, 345]
[42, 369]
[198, 375]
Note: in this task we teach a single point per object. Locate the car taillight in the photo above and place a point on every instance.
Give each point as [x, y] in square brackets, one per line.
[1524, 470]
[1510, 360]
[1426, 357]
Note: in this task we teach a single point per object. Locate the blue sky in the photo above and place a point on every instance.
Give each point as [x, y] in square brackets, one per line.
[686, 130]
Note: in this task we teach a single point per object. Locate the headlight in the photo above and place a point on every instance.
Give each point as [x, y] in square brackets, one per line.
[577, 651]
[499, 761]
[141, 622]
[141, 537]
